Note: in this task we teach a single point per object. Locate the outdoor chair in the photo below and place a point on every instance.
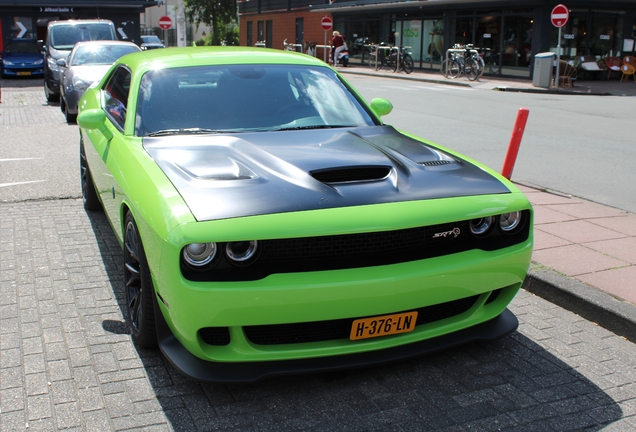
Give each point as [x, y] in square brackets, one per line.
[613, 64]
[566, 73]
[630, 60]
[628, 70]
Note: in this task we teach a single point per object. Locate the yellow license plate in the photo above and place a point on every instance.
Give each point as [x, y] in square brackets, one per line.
[383, 325]
[24, 73]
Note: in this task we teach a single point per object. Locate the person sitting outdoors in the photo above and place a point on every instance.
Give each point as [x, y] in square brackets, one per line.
[338, 44]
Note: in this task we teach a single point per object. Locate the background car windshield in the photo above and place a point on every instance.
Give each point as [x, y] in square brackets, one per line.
[99, 54]
[151, 39]
[23, 47]
[66, 36]
[246, 97]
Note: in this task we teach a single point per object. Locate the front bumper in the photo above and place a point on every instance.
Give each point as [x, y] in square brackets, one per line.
[217, 372]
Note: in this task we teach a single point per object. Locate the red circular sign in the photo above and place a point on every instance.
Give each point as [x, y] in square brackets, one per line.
[560, 15]
[326, 23]
[165, 22]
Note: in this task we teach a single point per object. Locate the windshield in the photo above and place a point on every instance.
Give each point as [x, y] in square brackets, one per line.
[64, 37]
[239, 98]
[99, 54]
[151, 39]
[22, 47]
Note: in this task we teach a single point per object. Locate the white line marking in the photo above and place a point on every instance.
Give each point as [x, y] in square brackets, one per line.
[20, 183]
[18, 159]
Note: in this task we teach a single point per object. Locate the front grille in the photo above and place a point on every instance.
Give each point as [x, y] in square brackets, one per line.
[340, 329]
[217, 336]
[347, 251]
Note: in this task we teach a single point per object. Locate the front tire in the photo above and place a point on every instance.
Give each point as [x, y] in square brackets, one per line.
[139, 289]
[89, 194]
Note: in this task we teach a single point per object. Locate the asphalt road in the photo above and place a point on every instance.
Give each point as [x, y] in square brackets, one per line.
[67, 361]
[574, 144]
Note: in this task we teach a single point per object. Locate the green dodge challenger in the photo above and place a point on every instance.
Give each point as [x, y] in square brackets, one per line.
[271, 222]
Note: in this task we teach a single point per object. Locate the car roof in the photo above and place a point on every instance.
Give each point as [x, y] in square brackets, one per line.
[216, 55]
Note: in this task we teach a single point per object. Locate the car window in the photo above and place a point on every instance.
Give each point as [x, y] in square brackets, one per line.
[24, 47]
[98, 54]
[66, 36]
[240, 98]
[116, 96]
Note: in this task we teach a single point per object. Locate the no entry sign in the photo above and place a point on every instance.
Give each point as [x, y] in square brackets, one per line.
[560, 15]
[165, 22]
[326, 23]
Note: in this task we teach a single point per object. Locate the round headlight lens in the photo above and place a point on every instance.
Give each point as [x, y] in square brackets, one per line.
[240, 252]
[199, 254]
[510, 221]
[481, 226]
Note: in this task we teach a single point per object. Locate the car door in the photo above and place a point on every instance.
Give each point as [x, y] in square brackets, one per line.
[104, 154]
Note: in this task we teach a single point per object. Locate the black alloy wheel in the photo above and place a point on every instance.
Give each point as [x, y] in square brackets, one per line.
[89, 195]
[139, 290]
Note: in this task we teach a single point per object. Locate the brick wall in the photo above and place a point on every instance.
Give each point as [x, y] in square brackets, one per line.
[284, 27]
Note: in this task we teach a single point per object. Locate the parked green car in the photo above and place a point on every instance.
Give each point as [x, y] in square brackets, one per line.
[271, 223]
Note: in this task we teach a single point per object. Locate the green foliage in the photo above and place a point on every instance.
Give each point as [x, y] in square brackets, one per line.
[217, 14]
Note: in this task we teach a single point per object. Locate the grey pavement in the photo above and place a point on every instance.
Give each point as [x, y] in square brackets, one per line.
[67, 361]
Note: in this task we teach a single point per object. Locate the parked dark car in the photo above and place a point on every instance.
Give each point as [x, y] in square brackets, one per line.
[151, 42]
[22, 57]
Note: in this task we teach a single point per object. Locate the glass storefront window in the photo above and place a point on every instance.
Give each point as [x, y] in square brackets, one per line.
[517, 46]
[410, 34]
[22, 28]
[463, 31]
[433, 36]
[488, 41]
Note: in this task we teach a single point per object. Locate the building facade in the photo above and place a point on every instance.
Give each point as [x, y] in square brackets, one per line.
[29, 18]
[508, 33]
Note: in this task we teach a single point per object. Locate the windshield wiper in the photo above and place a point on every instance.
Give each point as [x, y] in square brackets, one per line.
[185, 131]
[287, 128]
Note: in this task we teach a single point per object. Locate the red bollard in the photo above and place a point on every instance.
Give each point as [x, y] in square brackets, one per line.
[515, 142]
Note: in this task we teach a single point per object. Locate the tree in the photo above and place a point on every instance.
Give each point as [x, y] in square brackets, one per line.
[215, 13]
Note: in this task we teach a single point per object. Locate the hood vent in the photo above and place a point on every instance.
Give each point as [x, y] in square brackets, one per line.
[351, 174]
[437, 162]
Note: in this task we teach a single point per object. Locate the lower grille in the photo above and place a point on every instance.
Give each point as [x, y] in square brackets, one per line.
[317, 331]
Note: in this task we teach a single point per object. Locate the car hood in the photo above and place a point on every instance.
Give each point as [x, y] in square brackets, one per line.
[88, 74]
[232, 175]
[23, 57]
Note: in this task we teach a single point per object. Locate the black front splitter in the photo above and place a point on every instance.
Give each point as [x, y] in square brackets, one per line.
[216, 372]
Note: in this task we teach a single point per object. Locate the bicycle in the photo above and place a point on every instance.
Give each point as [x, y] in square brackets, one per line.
[462, 61]
[377, 59]
[401, 60]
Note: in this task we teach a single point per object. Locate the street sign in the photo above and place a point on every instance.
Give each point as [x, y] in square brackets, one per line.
[326, 23]
[165, 22]
[560, 15]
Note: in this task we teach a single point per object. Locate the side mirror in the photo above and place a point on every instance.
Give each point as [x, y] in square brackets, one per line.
[381, 106]
[94, 119]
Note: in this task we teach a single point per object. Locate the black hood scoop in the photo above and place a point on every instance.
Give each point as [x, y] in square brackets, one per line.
[352, 174]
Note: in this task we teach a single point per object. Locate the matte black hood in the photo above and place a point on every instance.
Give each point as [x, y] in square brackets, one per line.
[255, 173]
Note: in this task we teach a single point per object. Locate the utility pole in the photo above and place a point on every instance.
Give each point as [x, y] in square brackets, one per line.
[181, 24]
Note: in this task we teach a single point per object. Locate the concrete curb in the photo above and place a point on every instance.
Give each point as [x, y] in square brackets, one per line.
[590, 303]
[550, 91]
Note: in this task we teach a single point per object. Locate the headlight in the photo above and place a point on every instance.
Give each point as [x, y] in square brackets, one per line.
[199, 255]
[52, 63]
[241, 252]
[80, 84]
[7, 62]
[481, 226]
[38, 62]
[508, 222]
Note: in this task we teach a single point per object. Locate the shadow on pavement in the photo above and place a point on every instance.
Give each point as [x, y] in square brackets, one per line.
[512, 383]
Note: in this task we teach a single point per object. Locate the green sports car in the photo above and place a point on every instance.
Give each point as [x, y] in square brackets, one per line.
[271, 223]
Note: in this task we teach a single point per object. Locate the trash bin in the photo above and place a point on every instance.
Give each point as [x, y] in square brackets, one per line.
[542, 75]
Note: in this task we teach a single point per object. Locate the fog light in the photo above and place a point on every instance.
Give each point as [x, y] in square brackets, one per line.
[241, 252]
[481, 226]
[510, 221]
[199, 254]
